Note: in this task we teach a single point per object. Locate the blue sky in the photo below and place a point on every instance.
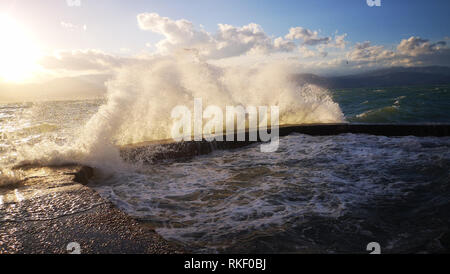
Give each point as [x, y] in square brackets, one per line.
[111, 24]
[398, 33]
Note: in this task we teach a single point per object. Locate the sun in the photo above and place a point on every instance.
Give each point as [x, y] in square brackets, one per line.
[18, 52]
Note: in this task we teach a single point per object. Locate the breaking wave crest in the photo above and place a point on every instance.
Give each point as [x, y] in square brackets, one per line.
[141, 96]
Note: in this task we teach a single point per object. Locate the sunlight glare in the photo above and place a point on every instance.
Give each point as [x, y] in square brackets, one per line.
[18, 52]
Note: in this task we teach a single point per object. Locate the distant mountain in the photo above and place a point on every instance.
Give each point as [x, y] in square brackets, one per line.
[395, 76]
[93, 86]
[67, 88]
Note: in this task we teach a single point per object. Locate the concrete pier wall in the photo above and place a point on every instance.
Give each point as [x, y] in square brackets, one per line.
[168, 149]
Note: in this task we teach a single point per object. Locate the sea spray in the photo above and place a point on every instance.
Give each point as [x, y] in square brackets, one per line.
[10, 178]
[141, 96]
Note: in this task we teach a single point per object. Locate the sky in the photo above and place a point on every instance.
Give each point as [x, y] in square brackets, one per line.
[56, 38]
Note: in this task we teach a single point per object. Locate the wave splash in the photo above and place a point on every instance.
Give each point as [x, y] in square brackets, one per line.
[141, 96]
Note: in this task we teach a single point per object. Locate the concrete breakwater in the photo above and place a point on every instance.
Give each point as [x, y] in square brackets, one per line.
[148, 152]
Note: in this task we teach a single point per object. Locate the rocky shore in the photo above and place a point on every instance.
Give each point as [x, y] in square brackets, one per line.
[51, 209]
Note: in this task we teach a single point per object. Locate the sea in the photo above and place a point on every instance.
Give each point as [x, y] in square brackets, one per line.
[315, 194]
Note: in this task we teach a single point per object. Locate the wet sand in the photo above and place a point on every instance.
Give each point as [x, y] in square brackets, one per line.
[51, 207]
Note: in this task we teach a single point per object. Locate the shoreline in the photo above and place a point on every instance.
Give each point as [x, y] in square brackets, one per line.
[52, 207]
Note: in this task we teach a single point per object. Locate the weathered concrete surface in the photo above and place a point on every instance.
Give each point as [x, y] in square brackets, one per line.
[168, 149]
[47, 210]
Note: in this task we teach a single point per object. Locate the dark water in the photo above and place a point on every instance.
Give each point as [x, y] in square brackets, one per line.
[326, 194]
[419, 104]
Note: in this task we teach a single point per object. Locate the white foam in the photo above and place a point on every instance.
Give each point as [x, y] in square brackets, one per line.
[231, 192]
[9, 177]
[19, 196]
[141, 97]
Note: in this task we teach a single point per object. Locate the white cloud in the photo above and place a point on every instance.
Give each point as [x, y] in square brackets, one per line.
[250, 44]
[284, 45]
[177, 33]
[229, 40]
[339, 41]
[415, 46]
[309, 37]
[306, 52]
[366, 52]
[81, 60]
[413, 51]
